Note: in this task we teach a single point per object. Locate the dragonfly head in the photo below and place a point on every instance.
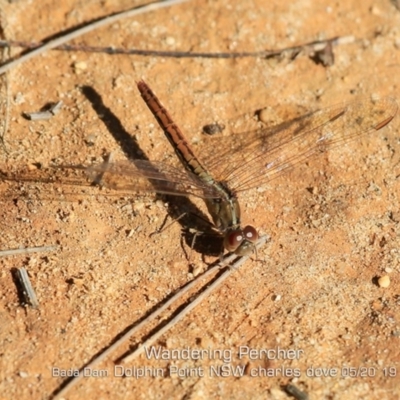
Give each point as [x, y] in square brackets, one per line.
[241, 241]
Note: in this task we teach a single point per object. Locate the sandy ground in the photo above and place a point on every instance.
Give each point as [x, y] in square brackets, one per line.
[333, 220]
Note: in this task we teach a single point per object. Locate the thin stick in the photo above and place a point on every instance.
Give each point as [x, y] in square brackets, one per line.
[26, 286]
[88, 28]
[137, 327]
[44, 115]
[6, 119]
[307, 48]
[27, 250]
[76, 379]
[191, 305]
[6, 114]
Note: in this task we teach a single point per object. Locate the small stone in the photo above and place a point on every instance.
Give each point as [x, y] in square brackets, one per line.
[384, 281]
[79, 67]
[269, 116]
[170, 41]
[212, 129]
[33, 167]
[276, 297]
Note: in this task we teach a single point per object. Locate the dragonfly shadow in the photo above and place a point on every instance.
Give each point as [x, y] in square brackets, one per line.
[128, 144]
[197, 230]
[193, 218]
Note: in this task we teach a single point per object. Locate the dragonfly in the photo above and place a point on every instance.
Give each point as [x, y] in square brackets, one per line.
[247, 162]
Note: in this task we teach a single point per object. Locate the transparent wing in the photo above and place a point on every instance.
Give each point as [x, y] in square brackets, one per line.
[250, 160]
[149, 176]
[125, 176]
[247, 161]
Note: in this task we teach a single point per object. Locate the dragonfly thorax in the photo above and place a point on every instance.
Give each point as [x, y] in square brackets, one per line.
[225, 212]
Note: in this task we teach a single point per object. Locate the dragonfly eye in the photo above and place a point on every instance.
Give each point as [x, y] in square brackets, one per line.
[241, 241]
[233, 239]
[250, 234]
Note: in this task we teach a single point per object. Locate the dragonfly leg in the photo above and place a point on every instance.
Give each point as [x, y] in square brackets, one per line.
[165, 226]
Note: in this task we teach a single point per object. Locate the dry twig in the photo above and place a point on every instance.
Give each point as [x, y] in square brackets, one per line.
[124, 338]
[88, 28]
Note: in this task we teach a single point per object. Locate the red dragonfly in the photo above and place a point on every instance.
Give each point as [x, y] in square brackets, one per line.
[246, 163]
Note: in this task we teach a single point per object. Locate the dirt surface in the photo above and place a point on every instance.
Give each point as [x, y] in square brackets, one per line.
[333, 220]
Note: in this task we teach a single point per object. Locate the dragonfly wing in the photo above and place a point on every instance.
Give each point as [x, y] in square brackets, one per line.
[251, 160]
[149, 176]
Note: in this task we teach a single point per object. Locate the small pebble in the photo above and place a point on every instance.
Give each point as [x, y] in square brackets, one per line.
[212, 129]
[264, 115]
[384, 281]
[79, 67]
